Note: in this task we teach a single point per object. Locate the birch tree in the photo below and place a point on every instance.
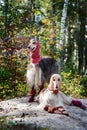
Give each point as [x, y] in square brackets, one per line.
[63, 22]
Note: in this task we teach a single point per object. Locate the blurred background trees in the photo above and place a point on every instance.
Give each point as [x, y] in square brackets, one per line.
[61, 27]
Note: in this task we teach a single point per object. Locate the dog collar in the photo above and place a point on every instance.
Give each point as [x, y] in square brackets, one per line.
[54, 91]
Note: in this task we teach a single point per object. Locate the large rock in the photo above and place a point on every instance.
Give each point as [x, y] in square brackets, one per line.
[25, 116]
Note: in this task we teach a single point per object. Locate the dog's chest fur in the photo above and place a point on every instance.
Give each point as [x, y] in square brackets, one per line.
[53, 99]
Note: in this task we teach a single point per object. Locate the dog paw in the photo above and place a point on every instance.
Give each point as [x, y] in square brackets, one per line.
[31, 99]
[61, 110]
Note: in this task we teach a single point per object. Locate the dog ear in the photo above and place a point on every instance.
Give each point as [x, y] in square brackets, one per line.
[51, 83]
[60, 82]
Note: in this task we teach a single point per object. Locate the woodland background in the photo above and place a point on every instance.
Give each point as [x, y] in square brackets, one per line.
[61, 27]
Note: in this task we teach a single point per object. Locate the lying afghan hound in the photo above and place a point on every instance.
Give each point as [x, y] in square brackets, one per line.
[53, 100]
[39, 70]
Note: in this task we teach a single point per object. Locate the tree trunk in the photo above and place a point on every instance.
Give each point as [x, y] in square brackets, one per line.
[81, 44]
[86, 38]
[70, 46]
[53, 31]
[63, 22]
[80, 55]
[6, 17]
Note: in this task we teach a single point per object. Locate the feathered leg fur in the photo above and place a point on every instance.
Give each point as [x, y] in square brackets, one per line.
[32, 94]
[37, 76]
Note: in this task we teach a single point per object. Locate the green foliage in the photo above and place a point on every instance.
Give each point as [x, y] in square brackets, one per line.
[72, 85]
[84, 81]
[12, 73]
[84, 85]
[4, 74]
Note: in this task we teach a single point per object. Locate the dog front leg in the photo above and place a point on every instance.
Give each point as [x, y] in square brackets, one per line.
[32, 94]
[37, 76]
[40, 88]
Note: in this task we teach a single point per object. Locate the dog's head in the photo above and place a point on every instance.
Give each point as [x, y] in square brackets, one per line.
[32, 45]
[55, 83]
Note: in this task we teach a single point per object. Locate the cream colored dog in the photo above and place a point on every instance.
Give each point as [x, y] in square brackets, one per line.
[53, 100]
[52, 96]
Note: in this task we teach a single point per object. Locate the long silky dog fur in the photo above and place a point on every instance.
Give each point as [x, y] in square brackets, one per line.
[39, 73]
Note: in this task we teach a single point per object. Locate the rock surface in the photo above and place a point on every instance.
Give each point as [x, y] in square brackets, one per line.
[19, 111]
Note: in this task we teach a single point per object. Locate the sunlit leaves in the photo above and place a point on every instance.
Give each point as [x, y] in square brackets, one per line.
[37, 12]
[72, 85]
[45, 21]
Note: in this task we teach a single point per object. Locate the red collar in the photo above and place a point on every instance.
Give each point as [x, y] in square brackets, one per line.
[35, 55]
[54, 91]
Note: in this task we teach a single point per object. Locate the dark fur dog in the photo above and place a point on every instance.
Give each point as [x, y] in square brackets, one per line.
[39, 70]
[48, 67]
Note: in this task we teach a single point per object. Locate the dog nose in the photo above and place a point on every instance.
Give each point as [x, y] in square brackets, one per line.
[56, 86]
[28, 47]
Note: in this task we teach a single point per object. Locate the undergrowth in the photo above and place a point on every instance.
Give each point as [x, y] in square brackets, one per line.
[14, 86]
[74, 85]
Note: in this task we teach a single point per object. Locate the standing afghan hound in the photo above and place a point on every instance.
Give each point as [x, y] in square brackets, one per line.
[39, 70]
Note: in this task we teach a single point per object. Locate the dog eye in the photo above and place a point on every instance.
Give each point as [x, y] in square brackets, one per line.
[53, 79]
[58, 79]
[34, 42]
